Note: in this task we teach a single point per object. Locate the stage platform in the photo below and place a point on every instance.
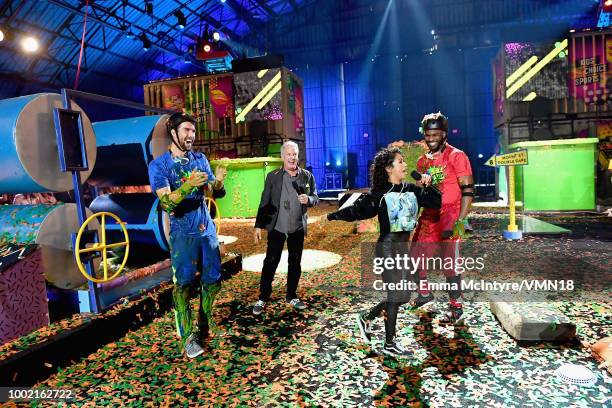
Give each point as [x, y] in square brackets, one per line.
[317, 358]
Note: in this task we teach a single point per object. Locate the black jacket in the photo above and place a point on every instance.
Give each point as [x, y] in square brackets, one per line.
[271, 195]
[404, 213]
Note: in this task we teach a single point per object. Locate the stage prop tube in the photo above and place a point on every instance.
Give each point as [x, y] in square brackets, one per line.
[50, 227]
[145, 222]
[28, 146]
[125, 149]
[135, 275]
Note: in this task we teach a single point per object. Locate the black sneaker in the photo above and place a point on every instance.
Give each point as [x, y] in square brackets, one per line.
[364, 328]
[297, 304]
[454, 315]
[394, 349]
[421, 300]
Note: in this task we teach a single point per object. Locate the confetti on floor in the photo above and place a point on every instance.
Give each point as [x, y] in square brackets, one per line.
[316, 358]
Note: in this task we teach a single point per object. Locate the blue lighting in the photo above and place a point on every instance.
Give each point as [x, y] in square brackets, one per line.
[338, 163]
[604, 20]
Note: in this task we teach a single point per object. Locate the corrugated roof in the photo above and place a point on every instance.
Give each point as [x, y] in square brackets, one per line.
[114, 38]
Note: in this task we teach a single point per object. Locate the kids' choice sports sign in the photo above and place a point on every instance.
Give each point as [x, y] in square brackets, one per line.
[590, 64]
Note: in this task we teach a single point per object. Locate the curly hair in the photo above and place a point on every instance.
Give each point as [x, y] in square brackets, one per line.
[378, 170]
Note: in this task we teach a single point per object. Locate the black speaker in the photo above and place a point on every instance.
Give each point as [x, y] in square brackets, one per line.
[256, 64]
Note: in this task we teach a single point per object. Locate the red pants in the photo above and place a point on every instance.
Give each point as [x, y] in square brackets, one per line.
[428, 242]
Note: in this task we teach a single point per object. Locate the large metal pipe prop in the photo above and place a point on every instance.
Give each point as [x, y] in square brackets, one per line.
[146, 223]
[135, 275]
[28, 146]
[125, 149]
[50, 227]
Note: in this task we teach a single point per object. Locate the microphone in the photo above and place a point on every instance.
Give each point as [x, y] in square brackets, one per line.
[299, 189]
[418, 176]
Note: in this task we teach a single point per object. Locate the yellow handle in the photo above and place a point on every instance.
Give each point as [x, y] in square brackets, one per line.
[101, 246]
[217, 220]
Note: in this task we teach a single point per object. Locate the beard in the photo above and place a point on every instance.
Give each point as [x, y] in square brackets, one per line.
[438, 146]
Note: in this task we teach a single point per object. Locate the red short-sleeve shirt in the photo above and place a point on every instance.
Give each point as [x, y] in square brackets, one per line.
[454, 163]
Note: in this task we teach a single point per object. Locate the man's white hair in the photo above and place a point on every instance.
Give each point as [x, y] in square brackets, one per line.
[287, 144]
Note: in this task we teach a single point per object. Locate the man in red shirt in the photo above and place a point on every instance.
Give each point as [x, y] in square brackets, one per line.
[447, 168]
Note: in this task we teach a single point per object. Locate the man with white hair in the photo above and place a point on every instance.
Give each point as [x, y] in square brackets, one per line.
[287, 194]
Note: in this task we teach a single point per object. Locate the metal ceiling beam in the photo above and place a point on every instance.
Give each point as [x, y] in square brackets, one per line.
[20, 79]
[205, 17]
[8, 6]
[68, 65]
[267, 8]
[149, 64]
[72, 9]
[295, 6]
[243, 13]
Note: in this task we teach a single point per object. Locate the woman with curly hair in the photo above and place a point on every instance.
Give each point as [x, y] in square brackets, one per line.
[396, 203]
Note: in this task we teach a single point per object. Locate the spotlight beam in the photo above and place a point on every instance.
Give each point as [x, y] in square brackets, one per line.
[376, 42]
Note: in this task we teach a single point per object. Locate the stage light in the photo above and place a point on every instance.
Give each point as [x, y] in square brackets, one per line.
[223, 1]
[146, 43]
[328, 164]
[480, 155]
[181, 21]
[216, 36]
[207, 48]
[572, 30]
[338, 163]
[607, 6]
[149, 7]
[30, 44]
[1, 35]
[433, 32]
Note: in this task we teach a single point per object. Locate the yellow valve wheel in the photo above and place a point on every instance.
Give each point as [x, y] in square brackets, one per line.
[101, 246]
[217, 220]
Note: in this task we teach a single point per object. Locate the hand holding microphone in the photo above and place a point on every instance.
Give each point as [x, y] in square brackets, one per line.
[302, 197]
[424, 179]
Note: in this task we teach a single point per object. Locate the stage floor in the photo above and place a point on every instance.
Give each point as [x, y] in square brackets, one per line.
[316, 358]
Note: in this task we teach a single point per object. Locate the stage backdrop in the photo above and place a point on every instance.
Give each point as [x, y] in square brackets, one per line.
[590, 56]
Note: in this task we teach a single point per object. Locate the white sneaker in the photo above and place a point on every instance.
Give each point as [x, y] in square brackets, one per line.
[258, 308]
[297, 304]
[192, 348]
[394, 349]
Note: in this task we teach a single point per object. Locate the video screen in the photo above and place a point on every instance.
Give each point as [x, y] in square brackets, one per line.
[71, 140]
[258, 95]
